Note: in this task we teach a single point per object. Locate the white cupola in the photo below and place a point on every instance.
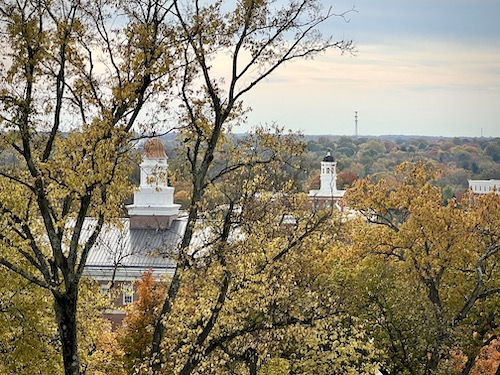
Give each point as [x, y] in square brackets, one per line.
[153, 206]
[328, 176]
[327, 196]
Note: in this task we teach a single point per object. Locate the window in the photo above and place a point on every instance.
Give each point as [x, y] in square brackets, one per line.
[128, 294]
[128, 298]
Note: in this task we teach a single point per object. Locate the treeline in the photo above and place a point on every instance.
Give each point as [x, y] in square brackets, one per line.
[458, 159]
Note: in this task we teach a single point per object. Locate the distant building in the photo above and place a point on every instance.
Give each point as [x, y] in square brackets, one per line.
[149, 238]
[328, 195]
[484, 186]
[144, 240]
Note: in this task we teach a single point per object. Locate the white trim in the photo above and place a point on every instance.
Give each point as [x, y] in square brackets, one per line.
[125, 273]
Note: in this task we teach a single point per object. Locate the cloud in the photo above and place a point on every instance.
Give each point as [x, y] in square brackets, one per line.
[444, 19]
[427, 67]
[432, 88]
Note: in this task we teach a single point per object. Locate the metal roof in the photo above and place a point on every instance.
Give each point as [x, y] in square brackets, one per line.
[118, 246]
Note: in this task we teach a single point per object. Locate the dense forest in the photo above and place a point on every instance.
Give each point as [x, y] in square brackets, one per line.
[457, 159]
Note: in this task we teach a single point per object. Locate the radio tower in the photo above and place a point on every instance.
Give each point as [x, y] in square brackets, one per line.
[356, 124]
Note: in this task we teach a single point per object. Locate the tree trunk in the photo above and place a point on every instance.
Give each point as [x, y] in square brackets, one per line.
[65, 308]
[468, 366]
[436, 355]
[159, 329]
[251, 358]
[175, 284]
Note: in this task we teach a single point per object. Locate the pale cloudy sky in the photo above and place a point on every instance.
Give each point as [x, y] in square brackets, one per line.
[421, 68]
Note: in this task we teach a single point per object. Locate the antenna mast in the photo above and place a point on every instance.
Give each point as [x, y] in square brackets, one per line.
[356, 124]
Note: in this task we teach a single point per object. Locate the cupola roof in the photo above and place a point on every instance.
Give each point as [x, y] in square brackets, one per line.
[328, 158]
[153, 149]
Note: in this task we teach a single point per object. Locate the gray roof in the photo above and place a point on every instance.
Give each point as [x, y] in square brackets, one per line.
[122, 247]
[328, 158]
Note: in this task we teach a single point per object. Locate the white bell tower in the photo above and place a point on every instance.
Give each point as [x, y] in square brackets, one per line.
[328, 177]
[153, 206]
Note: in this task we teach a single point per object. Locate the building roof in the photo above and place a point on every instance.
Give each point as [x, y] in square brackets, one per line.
[490, 181]
[130, 252]
[154, 149]
[328, 158]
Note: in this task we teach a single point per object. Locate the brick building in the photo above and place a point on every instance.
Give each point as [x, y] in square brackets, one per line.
[146, 240]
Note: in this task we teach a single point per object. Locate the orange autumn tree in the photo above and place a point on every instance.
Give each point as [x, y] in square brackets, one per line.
[488, 361]
[137, 332]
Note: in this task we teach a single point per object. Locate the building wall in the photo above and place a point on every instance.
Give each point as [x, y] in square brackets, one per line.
[125, 296]
[326, 202]
[484, 186]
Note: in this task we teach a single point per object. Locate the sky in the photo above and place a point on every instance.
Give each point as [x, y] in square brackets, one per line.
[422, 67]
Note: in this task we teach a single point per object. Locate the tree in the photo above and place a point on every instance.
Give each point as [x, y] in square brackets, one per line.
[345, 178]
[437, 261]
[77, 77]
[73, 85]
[136, 334]
[99, 352]
[493, 150]
[29, 341]
[254, 226]
[256, 37]
[28, 334]
[274, 308]
[489, 360]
